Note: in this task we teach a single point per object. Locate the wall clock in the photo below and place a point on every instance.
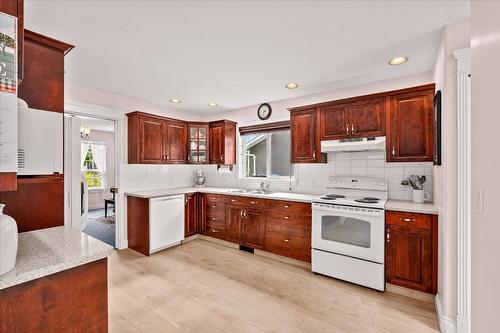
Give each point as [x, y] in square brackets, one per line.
[264, 111]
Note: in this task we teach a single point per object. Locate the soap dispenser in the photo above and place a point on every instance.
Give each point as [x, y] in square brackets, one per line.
[8, 242]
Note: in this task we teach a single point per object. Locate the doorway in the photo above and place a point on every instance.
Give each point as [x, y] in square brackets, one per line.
[91, 175]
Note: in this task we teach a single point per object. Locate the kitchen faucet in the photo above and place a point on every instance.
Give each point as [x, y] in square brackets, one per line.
[266, 188]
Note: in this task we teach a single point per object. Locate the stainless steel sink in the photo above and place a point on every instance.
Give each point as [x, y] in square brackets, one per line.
[250, 191]
[261, 192]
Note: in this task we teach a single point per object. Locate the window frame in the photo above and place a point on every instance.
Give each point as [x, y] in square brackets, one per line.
[267, 129]
[102, 172]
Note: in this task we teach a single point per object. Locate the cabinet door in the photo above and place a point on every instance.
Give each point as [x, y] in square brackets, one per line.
[198, 144]
[233, 223]
[202, 213]
[367, 118]
[411, 129]
[334, 122]
[216, 143]
[151, 140]
[408, 257]
[254, 228]
[190, 214]
[303, 140]
[175, 141]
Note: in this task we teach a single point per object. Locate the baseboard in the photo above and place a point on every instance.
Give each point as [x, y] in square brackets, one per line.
[463, 325]
[446, 324]
[411, 293]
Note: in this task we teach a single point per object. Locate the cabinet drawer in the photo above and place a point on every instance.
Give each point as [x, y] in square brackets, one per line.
[288, 245]
[245, 201]
[214, 197]
[218, 221]
[415, 220]
[215, 209]
[215, 232]
[297, 225]
[289, 206]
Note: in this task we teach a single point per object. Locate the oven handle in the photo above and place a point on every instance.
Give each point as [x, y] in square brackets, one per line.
[348, 213]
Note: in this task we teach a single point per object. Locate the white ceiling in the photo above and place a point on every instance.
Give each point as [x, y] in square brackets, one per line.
[240, 53]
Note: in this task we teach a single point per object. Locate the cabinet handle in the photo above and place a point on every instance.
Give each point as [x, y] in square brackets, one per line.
[214, 230]
[168, 157]
[233, 200]
[253, 202]
[388, 235]
[352, 128]
[214, 219]
[245, 213]
[347, 129]
[222, 157]
[213, 206]
[286, 240]
[393, 151]
[286, 206]
[286, 217]
[406, 219]
[314, 154]
[241, 212]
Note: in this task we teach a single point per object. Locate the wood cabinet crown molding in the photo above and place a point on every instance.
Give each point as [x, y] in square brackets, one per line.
[276, 126]
[49, 41]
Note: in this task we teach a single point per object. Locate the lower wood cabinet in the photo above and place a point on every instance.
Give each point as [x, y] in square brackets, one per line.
[277, 226]
[190, 214]
[411, 250]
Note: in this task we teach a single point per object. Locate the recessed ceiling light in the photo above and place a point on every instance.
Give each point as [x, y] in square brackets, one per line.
[175, 100]
[212, 104]
[398, 61]
[291, 85]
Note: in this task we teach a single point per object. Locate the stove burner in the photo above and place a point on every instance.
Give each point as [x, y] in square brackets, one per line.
[327, 198]
[335, 196]
[368, 200]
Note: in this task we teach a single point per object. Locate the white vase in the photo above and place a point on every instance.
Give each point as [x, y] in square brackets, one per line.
[8, 242]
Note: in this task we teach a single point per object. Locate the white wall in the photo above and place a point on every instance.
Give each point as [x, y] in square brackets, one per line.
[455, 36]
[96, 197]
[485, 165]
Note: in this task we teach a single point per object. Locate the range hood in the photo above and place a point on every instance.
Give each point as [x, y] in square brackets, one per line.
[349, 145]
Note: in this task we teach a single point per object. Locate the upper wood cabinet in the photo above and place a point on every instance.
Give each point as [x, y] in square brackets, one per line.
[43, 82]
[357, 118]
[305, 145]
[156, 140]
[222, 142]
[410, 136]
[174, 141]
[198, 143]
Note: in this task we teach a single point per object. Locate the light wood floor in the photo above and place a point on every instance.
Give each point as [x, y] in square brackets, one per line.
[205, 287]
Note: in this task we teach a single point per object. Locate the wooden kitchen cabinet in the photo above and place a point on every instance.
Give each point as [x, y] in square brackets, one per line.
[254, 228]
[305, 144]
[353, 118]
[234, 217]
[190, 214]
[222, 142]
[198, 143]
[410, 136]
[213, 215]
[411, 250]
[174, 141]
[156, 140]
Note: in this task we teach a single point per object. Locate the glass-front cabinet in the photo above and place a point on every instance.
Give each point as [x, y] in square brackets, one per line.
[198, 143]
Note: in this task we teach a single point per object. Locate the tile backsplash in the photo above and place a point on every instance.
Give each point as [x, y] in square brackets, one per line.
[312, 178]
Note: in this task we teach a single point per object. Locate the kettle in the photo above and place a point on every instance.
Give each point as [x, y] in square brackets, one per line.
[8, 242]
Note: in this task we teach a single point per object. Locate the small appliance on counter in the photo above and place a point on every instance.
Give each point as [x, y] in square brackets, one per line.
[200, 178]
[8, 242]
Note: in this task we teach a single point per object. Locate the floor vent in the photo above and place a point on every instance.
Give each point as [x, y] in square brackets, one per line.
[246, 248]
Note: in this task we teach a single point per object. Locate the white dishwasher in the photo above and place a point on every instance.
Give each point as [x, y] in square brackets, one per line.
[166, 222]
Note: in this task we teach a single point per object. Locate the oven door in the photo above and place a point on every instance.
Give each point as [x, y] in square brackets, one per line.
[351, 231]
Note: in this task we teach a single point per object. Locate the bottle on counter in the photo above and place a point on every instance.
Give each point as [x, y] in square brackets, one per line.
[8, 242]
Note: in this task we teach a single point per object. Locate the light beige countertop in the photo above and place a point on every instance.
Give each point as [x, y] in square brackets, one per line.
[48, 251]
[410, 206]
[290, 196]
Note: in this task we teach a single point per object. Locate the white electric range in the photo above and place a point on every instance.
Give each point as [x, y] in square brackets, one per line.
[348, 230]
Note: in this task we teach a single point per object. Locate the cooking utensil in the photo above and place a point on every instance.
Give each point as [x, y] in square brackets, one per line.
[422, 179]
[415, 183]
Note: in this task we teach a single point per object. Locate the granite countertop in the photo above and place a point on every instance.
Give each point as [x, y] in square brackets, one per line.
[48, 251]
[290, 196]
[410, 206]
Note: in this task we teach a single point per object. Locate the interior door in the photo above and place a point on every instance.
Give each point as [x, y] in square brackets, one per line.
[175, 141]
[254, 229]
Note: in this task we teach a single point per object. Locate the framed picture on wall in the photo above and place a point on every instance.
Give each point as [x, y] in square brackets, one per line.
[437, 128]
[8, 54]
